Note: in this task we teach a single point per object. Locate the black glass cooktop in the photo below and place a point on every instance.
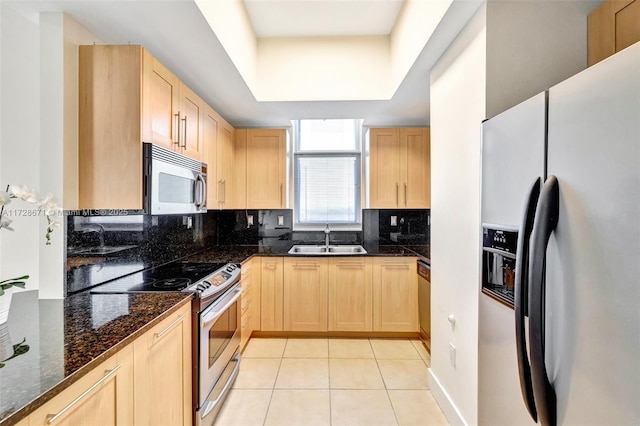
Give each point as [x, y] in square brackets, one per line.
[175, 276]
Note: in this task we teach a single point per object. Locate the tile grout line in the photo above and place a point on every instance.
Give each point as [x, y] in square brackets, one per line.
[264, 421]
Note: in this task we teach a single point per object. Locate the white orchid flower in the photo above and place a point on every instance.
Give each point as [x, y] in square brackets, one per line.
[50, 205]
[5, 198]
[25, 193]
[6, 224]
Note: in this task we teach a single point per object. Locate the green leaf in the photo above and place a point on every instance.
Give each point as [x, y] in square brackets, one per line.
[25, 277]
[1, 365]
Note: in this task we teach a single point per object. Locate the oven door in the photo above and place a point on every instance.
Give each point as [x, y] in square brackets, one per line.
[219, 340]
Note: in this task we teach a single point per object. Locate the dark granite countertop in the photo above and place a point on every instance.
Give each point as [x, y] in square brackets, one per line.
[240, 253]
[68, 338]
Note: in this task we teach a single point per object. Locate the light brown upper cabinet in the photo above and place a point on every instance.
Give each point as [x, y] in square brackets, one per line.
[172, 113]
[400, 168]
[613, 26]
[219, 146]
[127, 97]
[266, 160]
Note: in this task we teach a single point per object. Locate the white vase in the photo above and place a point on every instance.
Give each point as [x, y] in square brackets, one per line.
[5, 304]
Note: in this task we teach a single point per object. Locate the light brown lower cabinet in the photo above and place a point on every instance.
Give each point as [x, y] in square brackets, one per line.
[305, 294]
[250, 305]
[350, 294]
[104, 396]
[271, 293]
[395, 294]
[162, 372]
[146, 383]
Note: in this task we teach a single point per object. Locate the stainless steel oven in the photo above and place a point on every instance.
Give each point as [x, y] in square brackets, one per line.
[218, 358]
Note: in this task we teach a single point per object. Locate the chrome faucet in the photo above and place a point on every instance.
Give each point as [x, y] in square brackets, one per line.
[95, 227]
[326, 235]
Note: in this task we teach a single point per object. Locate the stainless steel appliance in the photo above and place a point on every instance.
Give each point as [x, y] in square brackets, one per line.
[173, 183]
[424, 302]
[569, 350]
[215, 323]
[499, 262]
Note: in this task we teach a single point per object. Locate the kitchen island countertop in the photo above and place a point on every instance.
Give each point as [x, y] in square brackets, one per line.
[68, 338]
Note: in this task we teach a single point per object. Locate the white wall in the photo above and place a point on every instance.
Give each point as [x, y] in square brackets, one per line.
[38, 137]
[531, 46]
[324, 68]
[458, 99]
[20, 141]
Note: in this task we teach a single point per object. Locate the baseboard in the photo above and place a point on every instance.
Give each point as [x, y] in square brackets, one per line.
[444, 401]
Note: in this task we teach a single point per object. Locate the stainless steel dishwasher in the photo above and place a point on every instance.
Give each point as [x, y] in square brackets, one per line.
[424, 302]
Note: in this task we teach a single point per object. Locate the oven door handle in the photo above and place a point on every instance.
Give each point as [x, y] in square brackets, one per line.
[217, 311]
[227, 386]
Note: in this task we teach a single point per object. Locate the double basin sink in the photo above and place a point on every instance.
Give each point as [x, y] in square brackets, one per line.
[336, 250]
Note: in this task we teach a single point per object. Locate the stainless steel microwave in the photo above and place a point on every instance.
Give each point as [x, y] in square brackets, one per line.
[173, 183]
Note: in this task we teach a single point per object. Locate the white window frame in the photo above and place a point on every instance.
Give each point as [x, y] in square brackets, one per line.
[357, 154]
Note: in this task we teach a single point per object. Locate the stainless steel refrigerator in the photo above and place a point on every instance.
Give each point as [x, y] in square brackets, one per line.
[559, 314]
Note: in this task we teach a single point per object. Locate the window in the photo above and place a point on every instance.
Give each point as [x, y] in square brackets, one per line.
[327, 174]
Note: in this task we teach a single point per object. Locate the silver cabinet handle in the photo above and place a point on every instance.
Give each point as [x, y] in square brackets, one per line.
[53, 417]
[280, 195]
[224, 193]
[176, 129]
[397, 196]
[169, 327]
[184, 132]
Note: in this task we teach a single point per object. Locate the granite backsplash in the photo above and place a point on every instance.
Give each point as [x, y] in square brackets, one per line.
[104, 247]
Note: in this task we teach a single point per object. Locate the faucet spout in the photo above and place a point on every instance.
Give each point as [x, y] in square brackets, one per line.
[326, 235]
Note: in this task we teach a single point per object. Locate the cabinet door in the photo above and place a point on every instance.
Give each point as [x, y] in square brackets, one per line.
[239, 176]
[161, 90]
[395, 294]
[162, 372]
[416, 170]
[271, 294]
[190, 126]
[247, 305]
[109, 138]
[613, 26]
[266, 168]
[224, 164]
[384, 191]
[210, 124]
[350, 294]
[305, 294]
[104, 396]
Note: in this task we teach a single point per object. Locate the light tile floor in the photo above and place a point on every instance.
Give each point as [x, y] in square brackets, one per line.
[349, 382]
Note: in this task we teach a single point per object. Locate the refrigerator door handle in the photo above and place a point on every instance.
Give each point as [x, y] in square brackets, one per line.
[521, 288]
[546, 219]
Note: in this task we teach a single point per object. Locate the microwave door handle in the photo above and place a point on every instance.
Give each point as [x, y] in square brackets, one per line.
[198, 189]
[546, 219]
[520, 302]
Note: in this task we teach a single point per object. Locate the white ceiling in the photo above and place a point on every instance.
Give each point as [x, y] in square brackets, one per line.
[178, 35]
[310, 18]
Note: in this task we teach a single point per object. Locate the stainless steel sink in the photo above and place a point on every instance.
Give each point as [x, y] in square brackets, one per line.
[102, 250]
[334, 250]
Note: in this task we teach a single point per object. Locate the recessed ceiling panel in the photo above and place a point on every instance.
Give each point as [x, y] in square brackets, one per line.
[317, 18]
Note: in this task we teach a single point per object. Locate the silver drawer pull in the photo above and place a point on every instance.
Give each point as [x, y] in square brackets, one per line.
[53, 417]
[169, 327]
